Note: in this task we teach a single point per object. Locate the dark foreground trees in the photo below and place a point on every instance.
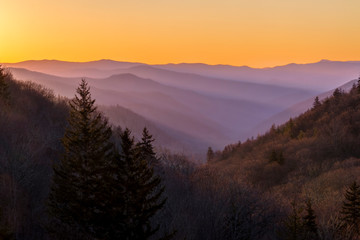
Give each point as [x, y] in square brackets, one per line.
[98, 193]
[4, 88]
[80, 184]
[351, 210]
[309, 222]
[142, 189]
[299, 225]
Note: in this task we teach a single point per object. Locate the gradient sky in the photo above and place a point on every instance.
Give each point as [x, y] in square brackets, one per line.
[257, 33]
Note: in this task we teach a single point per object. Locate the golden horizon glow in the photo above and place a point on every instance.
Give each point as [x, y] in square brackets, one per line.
[258, 33]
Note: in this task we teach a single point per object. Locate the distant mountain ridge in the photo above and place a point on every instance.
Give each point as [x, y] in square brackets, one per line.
[148, 101]
[97, 69]
[320, 76]
[323, 75]
[213, 104]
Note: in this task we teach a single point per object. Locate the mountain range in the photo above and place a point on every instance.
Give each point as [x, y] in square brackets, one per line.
[193, 106]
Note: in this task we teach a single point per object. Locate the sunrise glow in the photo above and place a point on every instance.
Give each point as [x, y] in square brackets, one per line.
[257, 33]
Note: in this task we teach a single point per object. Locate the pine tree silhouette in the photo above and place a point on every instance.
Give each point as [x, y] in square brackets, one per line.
[293, 225]
[143, 198]
[210, 154]
[4, 87]
[309, 222]
[351, 207]
[79, 196]
[316, 102]
[146, 149]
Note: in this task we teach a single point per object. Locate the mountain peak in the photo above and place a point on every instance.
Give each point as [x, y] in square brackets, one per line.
[324, 61]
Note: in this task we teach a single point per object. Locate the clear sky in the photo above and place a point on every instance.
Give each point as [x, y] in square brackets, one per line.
[257, 33]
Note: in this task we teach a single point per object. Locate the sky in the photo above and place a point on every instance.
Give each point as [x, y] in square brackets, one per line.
[256, 33]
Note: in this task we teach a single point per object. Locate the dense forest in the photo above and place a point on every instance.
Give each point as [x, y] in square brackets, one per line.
[314, 156]
[66, 173]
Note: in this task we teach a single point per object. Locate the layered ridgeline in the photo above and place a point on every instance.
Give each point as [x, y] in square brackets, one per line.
[32, 124]
[323, 75]
[198, 105]
[170, 109]
[193, 107]
[243, 192]
[314, 155]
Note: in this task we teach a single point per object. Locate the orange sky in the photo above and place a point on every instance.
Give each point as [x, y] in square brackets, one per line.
[257, 33]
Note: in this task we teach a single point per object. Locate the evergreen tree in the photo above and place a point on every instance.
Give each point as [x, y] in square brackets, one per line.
[146, 149]
[337, 94]
[351, 207]
[316, 102]
[4, 87]
[293, 225]
[210, 154]
[143, 191]
[309, 223]
[80, 194]
[290, 128]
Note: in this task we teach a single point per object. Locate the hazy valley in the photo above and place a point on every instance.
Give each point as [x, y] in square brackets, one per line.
[206, 105]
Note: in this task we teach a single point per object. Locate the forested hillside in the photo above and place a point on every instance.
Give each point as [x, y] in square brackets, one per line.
[32, 120]
[315, 155]
[205, 111]
[290, 182]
